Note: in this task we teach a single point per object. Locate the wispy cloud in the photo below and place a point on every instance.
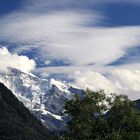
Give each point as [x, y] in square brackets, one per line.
[71, 3]
[64, 35]
[74, 35]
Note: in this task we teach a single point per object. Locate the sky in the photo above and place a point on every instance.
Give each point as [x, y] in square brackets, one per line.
[88, 43]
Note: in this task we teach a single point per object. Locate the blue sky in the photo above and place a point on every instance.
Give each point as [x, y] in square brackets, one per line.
[122, 14]
[8, 6]
[75, 40]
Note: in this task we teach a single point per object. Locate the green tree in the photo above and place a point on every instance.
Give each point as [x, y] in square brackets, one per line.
[100, 117]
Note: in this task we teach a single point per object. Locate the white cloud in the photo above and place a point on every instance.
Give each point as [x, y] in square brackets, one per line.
[128, 81]
[94, 81]
[123, 79]
[118, 81]
[64, 35]
[47, 62]
[20, 62]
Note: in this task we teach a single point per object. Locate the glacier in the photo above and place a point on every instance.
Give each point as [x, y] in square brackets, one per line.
[45, 98]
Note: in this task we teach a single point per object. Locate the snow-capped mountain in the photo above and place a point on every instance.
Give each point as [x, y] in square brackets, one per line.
[44, 98]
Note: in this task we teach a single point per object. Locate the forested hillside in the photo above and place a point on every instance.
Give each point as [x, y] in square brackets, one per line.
[16, 121]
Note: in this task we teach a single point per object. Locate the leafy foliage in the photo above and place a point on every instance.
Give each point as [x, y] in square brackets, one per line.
[16, 121]
[100, 117]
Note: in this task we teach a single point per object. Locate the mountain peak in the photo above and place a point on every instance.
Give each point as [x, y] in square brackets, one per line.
[45, 98]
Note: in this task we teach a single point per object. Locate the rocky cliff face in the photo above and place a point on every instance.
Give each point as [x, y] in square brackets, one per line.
[44, 98]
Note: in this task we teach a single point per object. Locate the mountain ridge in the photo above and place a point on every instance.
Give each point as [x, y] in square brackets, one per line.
[44, 98]
[17, 122]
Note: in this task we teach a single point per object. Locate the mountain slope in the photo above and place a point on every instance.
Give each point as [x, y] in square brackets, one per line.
[138, 104]
[44, 98]
[16, 121]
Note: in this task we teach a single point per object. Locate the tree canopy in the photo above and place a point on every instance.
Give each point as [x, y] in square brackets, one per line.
[101, 117]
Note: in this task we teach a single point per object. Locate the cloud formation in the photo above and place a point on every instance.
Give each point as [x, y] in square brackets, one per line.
[9, 60]
[113, 79]
[118, 81]
[73, 35]
[127, 80]
[95, 81]
[66, 36]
